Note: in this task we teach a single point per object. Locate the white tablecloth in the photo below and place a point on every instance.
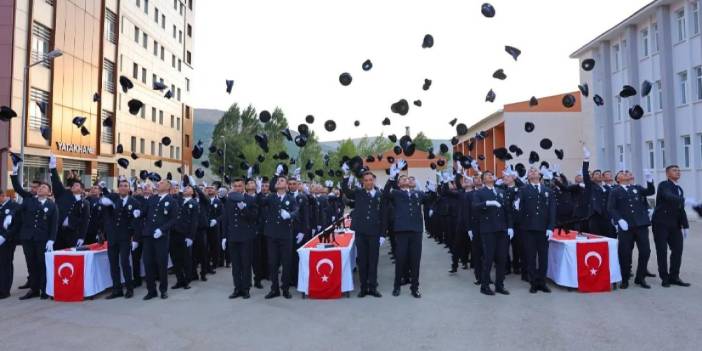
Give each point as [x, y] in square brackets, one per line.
[563, 261]
[348, 263]
[96, 271]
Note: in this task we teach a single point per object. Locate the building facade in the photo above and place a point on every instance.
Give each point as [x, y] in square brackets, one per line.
[661, 43]
[146, 41]
[567, 128]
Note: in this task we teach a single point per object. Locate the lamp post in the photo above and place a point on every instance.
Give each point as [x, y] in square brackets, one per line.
[23, 123]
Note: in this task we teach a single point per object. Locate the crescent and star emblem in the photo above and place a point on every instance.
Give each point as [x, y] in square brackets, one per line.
[65, 280]
[593, 270]
[322, 262]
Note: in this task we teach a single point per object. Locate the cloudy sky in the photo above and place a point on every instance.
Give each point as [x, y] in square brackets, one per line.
[290, 54]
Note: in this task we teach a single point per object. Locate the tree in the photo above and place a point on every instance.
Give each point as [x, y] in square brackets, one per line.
[421, 142]
[311, 152]
[377, 146]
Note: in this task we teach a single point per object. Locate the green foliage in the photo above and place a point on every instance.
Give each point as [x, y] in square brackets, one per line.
[421, 142]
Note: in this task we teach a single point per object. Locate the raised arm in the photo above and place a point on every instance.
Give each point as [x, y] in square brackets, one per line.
[56, 184]
[17, 186]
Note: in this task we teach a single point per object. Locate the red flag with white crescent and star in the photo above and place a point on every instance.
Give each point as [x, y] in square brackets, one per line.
[593, 267]
[325, 274]
[68, 278]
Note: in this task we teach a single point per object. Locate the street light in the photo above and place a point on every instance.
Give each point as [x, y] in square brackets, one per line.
[23, 123]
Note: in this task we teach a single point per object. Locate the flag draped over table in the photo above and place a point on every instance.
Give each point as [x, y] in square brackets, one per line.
[68, 278]
[593, 267]
[325, 274]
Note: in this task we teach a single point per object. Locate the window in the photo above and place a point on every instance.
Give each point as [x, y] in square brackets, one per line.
[138, 3]
[177, 152]
[142, 146]
[615, 59]
[620, 153]
[173, 61]
[180, 36]
[656, 41]
[142, 112]
[146, 7]
[190, 4]
[175, 5]
[698, 81]
[160, 117]
[135, 70]
[178, 124]
[160, 150]
[659, 95]
[156, 15]
[41, 40]
[145, 40]
[682, 81]
[188, 57]
[190, 31]
[686, 142]
[661, 150]
[187, 81]
[181, 9]
[39, 100]
[172, 121]
[143, 75]
[622, 64]
[174, 31]
[137, 34]
[644, 42]
[179, 65]
[651, 155]
[619, 107]
[155, 48]
[134, 144]
[163, 53]
[649, 104]
[171, 152]
[153, 148]
[163, 21]
[187, 140]
[154, 79]
[110, 26]
[178, 94]
[153, 114]
[107, 132]
[108, 76]
[680, 24]
[695, 17]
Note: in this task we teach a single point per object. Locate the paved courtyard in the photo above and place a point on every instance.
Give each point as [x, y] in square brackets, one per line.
[452, 315]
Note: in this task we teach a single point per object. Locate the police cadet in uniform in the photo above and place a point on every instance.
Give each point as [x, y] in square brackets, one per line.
[94, 233]
[38, 232]
[212, 207]
[8, 242]
[119, 213]
[181, 243]
[260, 256]
[407, 226]
[628, 208]
[280, 210]
[301, 223]
[147, 191]
[160, 218]
[600, 222]
[367, 222]
[239, 229]
[670, 227]
[74, 211]
[536, 208]
[495, 232]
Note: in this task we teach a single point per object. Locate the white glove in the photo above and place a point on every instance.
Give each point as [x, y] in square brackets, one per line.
[394, 171]
[249, 172]
[474, 164]
[623, 225]
[582, 185]
[319, 228]
[279, 170]
[296, 174]
[157, 233]
[690, 202]
[333, 218]
[224, 244]
[401, 164]
[499, 182]
[329, 184]
[685, 231]
[284, 214]
[382, 240]
[191, 180]
[135, 245]
[510, 233]
[259, 184]
[6, 223]
[102, 184]
[79, 243]
[345, 169]
[106, 202]
[586, 153]
[431, 213]
[299, 237]
[52, 162]
[2, 240]
[492, 203]
[431, 186]
[547, 174]
[549, 234]
[241, 205]
[188, 242]
[649, 176]
[50, 246]
[136, 213]
[65, 222]
[516, 203]
[213, 222]
[15, 169]
[470, 234]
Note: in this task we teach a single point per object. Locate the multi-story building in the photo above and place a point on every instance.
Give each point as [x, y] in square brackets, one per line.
[661, 44]
[145, 41]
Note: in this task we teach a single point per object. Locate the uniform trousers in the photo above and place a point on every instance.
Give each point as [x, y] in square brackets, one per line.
[665, 236]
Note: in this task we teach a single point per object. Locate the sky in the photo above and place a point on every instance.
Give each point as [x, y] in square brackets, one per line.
[289, 54]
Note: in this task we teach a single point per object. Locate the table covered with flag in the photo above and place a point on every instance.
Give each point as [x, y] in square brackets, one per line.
[327, 273]
[587, 262]
[72, 275]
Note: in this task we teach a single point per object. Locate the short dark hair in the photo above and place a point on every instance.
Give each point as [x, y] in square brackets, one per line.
[235, 180]
[40, 183]
[122, 181]
[36, 182]
[670, 167]
[482, 175]
[364, 174]
[597, 170]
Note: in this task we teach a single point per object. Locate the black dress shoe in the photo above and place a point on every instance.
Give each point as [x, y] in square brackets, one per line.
[164, 295]
[245, 294]
[416, 294]
[4, 296]
[375, 293]
[453, 270]
[624, 285]
[679, 282]
[487, 291]
[465, 266]
[24, 286]
[396, 292]
[44, 296]
[650, 275]
[477, 282]
[545, 288]
[533, 289]
[258, 285]
[30, 295]
[129, 294]
[203, 278]
[286, 294]
[642, 283]
[186, 286]
[362, 293]
[235, 294]
[665, 284]
[114, 295]
[177, 286]
[502, 291]
[272, 294]
[149, 296]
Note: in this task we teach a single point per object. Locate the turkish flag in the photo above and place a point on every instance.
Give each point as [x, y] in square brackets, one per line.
[68, 278]
[325, 274]
[593, 266]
